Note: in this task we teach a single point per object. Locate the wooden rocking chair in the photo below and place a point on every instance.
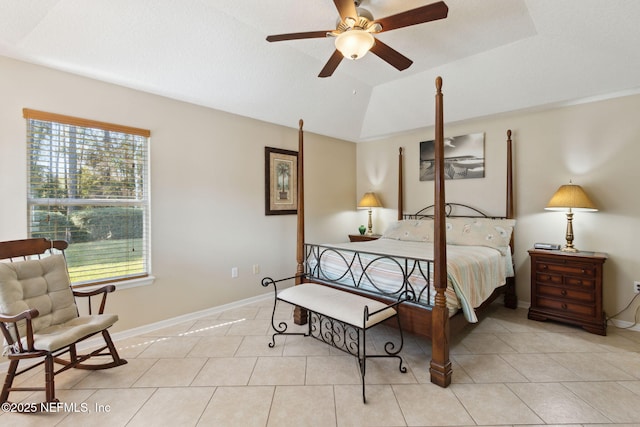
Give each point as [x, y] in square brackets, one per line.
[39, 317]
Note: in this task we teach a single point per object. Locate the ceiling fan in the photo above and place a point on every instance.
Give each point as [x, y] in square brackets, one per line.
[355, 29]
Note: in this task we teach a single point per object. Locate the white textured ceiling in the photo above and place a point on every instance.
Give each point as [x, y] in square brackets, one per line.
[495, 56]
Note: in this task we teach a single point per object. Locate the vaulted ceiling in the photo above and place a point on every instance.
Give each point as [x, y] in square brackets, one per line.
[495, 56]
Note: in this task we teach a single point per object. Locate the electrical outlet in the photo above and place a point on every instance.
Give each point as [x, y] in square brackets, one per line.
[636, 287]
[256, 268]
[234, 272]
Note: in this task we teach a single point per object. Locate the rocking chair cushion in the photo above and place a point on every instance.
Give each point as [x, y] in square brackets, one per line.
[43, 284]
[59, 336]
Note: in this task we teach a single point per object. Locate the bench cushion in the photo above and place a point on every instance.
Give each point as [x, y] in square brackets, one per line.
[340, 305]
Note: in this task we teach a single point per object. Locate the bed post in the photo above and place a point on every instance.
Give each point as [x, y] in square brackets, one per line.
[440, 367]
[510, 212]
[510, 298]
[300, 314]
[400, 186]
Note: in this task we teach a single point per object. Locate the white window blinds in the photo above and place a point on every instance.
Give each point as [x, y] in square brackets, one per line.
[88, 185]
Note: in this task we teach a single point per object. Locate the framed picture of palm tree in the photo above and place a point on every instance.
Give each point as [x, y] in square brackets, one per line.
[281, 181]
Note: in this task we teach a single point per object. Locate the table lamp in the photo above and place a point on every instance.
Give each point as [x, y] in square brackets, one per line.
[370, 200]
[570, 197]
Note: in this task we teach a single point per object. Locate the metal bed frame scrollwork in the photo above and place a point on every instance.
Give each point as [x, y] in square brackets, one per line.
[356, 273]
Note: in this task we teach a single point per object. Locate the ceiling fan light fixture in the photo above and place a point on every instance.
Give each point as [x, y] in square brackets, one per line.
[350, 22]
[355, 43]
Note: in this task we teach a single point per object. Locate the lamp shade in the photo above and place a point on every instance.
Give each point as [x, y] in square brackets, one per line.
[571, 196]
[369, 200]
[355, 43]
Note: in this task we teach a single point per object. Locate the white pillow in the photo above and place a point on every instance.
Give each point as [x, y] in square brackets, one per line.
[495, 233]
[413, 230]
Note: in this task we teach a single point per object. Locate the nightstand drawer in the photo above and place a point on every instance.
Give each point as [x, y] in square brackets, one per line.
[565, 293]
[576, 269]
[576, 281]
[556, 279]
[566, 307]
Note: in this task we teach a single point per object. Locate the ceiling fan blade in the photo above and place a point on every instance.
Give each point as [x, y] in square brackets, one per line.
[391, 55]
[346, 9]
[332, 64]
[298, 36]
[420, 15]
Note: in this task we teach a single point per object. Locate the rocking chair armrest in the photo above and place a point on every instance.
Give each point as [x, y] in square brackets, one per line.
[103, 290]
[27, 314]
[100, 291]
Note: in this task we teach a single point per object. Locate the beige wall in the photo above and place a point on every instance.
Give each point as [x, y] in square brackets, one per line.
[207, 189]
[208, 186]
[597, 145]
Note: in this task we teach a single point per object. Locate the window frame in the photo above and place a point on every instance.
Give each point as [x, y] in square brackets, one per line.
[143, 202]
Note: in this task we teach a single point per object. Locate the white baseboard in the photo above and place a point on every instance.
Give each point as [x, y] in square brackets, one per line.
[145, 329]
[624, 325]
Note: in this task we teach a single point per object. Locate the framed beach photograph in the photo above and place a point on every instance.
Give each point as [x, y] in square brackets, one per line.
[281, 181]
[463, 157]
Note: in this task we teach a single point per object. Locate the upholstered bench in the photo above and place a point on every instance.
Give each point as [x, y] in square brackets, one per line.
[338, 318]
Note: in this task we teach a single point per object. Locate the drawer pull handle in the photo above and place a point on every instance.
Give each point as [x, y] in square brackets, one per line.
[584, 271]
[564, 306]
[564, 292]
[544, 266]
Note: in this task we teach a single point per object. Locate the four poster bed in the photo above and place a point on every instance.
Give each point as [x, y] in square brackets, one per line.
[447, 258]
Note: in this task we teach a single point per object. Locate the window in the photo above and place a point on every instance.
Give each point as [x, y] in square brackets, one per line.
[88, 184]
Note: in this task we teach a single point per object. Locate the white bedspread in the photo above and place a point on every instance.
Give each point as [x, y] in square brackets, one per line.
[473, 271]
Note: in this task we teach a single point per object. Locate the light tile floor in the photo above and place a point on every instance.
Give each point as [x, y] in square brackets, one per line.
[219, 371]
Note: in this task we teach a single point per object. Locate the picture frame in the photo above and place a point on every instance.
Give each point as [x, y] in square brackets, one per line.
[281, 181]
[463, 157]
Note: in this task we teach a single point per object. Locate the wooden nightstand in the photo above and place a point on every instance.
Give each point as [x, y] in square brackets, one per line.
[363, 237]
[567, 287]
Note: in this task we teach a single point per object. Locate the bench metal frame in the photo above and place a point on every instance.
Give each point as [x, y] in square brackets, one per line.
[343, 336]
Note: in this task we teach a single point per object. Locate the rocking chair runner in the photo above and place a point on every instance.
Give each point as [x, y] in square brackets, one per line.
[39, 317]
